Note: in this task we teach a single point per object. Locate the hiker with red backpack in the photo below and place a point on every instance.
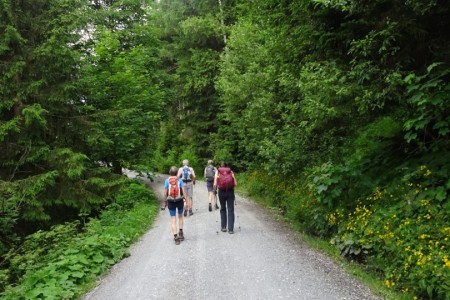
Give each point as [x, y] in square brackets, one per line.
[174, 192]
[224, 183]
[209, 174]
[187, 174]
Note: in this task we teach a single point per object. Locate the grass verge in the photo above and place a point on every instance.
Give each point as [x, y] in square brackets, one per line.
[66, 261]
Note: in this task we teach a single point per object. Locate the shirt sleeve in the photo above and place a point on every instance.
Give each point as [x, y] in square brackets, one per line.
[181, 183]
[166, 184]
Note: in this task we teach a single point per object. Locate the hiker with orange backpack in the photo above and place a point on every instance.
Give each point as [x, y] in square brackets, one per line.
[187, 174]
[224, 183]
[174, 191]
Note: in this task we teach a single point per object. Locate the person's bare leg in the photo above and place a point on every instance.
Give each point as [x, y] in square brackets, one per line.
[190, 204]
[174, 225]
[180, 221]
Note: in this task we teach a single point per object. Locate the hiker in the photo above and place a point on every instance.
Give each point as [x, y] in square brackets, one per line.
[187, 174]
[224, 183]
[209, 174]
[174, 192]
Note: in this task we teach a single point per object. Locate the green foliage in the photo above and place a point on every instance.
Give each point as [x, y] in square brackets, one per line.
[135, 193]
[9, 213]
[56, 264]
[402, 232]
[194, 35]
[80, 96]
[121, 84]
[428, 126]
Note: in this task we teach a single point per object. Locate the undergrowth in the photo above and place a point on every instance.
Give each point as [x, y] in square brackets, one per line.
[64, 262]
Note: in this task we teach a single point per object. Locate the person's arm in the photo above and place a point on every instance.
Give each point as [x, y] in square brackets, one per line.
[183, 188]
[235, 181]
[193, 176]
[166, 189]
[166, 194]
[215, 182]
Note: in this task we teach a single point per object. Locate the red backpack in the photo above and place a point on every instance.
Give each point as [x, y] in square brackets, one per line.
[175, 192]
[225, 180]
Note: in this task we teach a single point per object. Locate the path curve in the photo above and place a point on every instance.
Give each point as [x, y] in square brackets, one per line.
[262, 260]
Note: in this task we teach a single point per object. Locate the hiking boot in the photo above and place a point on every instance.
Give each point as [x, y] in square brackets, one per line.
[230, 231]
[224, 229]
[181, 236]
[185, 213]
[190, 212]
[217, 206]
[177, 240]
[210, 207]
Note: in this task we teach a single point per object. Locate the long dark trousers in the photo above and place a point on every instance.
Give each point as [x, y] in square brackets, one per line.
[226, 199]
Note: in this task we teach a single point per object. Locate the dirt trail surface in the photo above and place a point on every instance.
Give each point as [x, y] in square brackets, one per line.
[261, 260]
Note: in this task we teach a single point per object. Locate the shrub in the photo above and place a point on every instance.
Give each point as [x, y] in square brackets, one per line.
[56, 264]
[403, 232]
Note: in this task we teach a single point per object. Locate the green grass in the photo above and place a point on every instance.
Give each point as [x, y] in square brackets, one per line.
[66, 262]
[132, 225]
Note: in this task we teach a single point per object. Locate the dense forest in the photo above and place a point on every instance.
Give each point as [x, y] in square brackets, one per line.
[336, 111]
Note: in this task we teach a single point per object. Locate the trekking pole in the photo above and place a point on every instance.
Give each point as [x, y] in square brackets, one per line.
[217, 215]
[216, 206]
[193, 196]
[237, 214]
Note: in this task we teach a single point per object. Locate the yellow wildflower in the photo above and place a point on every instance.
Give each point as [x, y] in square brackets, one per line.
[389, 283]
[424, 202]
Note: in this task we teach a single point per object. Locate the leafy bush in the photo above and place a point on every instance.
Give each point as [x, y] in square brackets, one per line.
[403, 231]
[400, 231]
[8, 219]
[56, 264]
[136, 192]
[428, 125]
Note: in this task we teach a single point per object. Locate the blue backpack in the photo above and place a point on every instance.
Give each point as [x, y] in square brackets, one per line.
[187, 176]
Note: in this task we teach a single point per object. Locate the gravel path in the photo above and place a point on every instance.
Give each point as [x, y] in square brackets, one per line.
[262, 260]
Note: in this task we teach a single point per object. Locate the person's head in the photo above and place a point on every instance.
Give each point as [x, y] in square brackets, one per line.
[185, 162]
[223, 163]
[210, 162]
[173, 171]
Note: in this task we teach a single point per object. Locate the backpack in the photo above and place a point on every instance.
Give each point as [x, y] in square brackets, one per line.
[225, 181]
[175, 193]
[210, 173]
[186, 173]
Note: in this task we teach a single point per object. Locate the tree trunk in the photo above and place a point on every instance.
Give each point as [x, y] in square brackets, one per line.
[18, 104]
[117, 167]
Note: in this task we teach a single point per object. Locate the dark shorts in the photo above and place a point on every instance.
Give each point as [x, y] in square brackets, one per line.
[173, 206]
[209, 185]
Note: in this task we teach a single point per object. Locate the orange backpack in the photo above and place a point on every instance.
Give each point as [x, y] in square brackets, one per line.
[175, 193]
